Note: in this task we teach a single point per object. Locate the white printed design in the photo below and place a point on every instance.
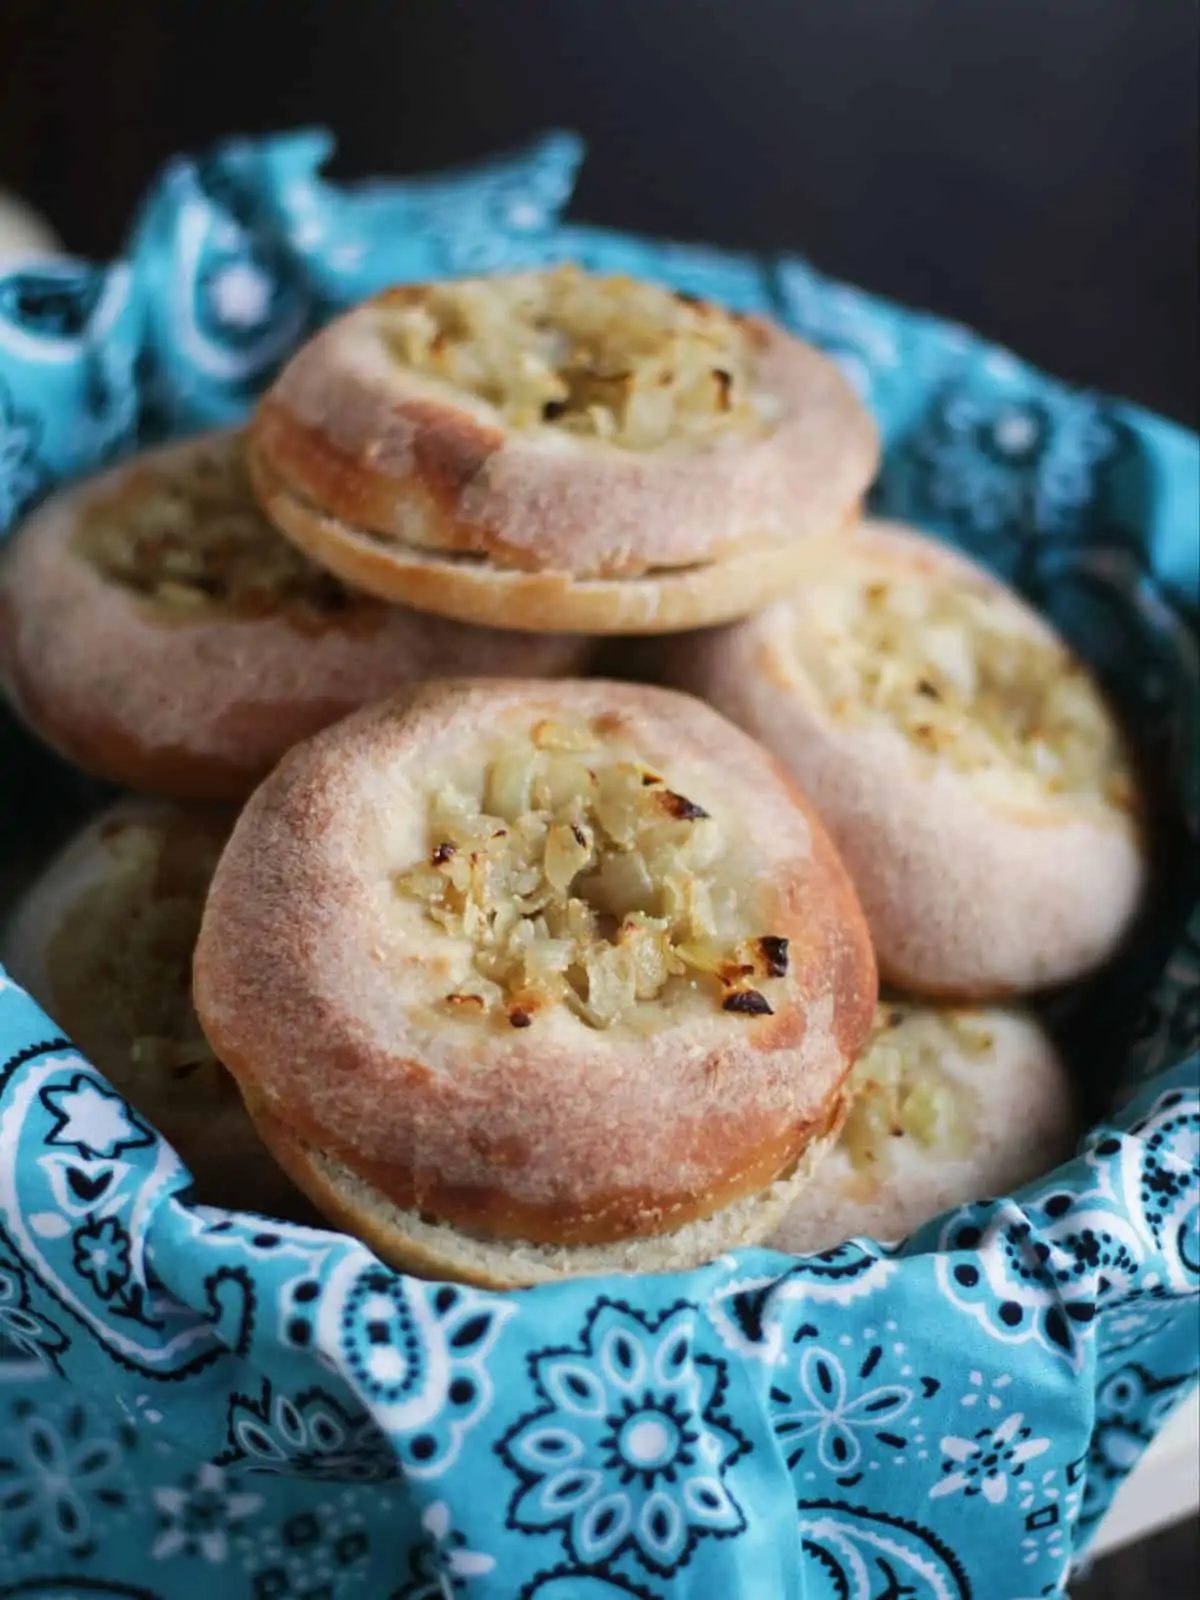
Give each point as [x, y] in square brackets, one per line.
[836, 1420]
[313, 1435]
[62, 1130]
[1008, 466]
[842, 321]
[93, 1119]
[61, 1475]
[26, 1337]
[986, 1464]
[756, 1316]
[1050, 1511]
[416, 1355]
[1153, 1173]
[442, 1564]
[630, 1449]
[197, 1517]
[231, 313]
[851, 1553]
[1039, 1272]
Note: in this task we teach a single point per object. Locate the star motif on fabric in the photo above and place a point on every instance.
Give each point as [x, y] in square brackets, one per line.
[93, 1119]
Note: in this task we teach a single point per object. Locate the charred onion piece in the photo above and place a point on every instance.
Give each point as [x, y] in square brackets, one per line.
[470, 1002]
[775, 953]
[681, 808]
[582, 883]
[747, 1003]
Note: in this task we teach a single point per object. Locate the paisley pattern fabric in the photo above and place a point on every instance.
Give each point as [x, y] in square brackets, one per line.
[196, 1401]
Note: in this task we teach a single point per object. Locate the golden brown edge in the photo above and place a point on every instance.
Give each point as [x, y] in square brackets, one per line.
[303, 1165]
[476, 591]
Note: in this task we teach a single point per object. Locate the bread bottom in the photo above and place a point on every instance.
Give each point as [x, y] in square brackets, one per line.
[410, 1243]
[474, 589]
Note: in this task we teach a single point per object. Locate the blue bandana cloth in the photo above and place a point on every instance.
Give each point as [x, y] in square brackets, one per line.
[195, 1401]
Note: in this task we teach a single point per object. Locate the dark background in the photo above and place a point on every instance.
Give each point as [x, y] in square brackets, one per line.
[1027, 166]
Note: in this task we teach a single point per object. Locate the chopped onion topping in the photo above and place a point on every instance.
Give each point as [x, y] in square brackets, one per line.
[901, 1089]
[941, 661]
[585, 882]
[627, 362]
[189, 537]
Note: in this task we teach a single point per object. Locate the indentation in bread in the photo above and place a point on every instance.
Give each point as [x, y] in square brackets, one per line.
[957, 669]
[122, 958]
[631, 363]
[581, 877]
[900, 1087]
[185, 534]
[998, 1112]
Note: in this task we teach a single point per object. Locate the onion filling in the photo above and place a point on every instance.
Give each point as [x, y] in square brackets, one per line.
[630, 363]
[584, 882]
[900, 1088]
[937, 661]
[190, 539]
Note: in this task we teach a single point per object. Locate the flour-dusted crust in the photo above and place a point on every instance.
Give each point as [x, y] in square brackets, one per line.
[101, 940]
[324, 989]
[200, 701]
[949, 1105]
[428, 492]
[983, 871]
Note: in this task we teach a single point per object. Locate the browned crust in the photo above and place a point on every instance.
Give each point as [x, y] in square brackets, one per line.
[558, 1136]
[352, 433]
[644, 1212]
[411, 1244]
[201, 707]
[449, 451]
[658, 602]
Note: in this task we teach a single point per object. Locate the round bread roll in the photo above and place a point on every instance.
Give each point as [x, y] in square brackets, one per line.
[524, 980]
[947, 1106]
[161, 634]
[103, 942]
[969, 771]
[559, 449]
